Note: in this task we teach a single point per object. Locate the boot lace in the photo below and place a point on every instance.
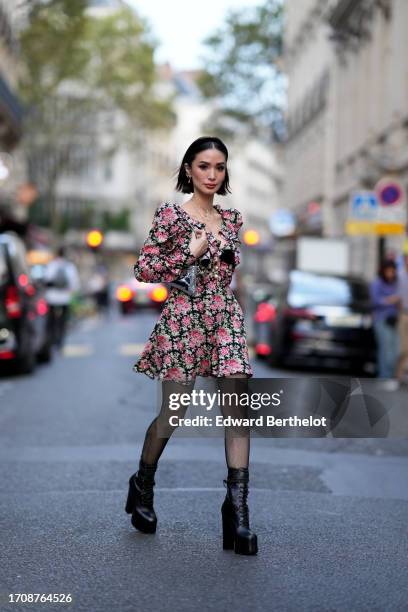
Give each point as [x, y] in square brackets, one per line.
[145, 487]
[242, 509]
[238, 496]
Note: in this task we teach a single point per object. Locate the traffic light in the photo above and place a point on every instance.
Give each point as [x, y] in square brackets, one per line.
[251, 237]
[94, 238]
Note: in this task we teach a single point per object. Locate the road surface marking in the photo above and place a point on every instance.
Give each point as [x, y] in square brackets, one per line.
[77, 350]
[131, 349]
[89, 324]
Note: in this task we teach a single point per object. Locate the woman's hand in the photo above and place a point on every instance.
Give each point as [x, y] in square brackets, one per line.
[198, 243]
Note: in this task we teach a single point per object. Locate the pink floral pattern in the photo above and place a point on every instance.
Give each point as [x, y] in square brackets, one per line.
[202, 335]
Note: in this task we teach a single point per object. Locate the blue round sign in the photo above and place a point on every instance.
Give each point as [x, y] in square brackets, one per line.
[389, 192]
[282, 222]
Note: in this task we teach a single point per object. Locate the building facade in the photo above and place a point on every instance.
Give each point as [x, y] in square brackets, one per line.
[347, 112]
[12, 164]
[141, 172]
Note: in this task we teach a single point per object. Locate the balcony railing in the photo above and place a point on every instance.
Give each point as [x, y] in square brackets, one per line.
[351, 21]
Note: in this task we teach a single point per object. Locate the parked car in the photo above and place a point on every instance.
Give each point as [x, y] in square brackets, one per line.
[23, 309]
[134, 294]
[317, 320]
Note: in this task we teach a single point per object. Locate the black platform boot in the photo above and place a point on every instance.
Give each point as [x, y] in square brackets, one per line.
[236, 533]
[140, 498]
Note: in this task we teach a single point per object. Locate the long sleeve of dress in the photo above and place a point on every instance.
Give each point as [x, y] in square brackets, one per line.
[165, 253]
[236, 224]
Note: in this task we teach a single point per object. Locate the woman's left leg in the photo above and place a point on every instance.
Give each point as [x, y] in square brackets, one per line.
[237, 438]
[237, 534]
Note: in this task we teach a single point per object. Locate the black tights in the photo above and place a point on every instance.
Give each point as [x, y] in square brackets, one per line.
[237, 438]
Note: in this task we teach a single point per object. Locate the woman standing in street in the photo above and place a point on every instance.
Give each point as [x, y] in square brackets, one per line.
[384, 298]
[196, 335]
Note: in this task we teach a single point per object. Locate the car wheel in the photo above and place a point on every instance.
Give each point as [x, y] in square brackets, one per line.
[275, 359]
[45, 354]
[27, 358]
[362, 370]
[26, 363]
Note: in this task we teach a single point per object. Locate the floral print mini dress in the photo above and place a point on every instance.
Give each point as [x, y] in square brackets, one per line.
[200, 335]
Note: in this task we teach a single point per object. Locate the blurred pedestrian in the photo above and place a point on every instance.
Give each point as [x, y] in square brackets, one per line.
[99, 287]
[403, 315]
[385, 299]
[62, 280]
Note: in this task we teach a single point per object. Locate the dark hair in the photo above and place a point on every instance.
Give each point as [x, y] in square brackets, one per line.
[61, 251]
[384, 265]
[201, 144]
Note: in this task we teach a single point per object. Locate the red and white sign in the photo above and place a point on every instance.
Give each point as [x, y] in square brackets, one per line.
[391, 200]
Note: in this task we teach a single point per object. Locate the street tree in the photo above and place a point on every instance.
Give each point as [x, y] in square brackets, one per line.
[78, 71]
[242, 70]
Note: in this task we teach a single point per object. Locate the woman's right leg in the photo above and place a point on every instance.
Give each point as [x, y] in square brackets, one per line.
[140, 497]
[159, 431]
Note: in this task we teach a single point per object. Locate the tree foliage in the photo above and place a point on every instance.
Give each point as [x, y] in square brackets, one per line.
[122, 70]
[77, 69]
[109, 59]
[242, 69]
[51, 47]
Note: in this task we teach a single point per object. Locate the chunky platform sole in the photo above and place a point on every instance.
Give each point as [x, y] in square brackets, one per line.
[232, 541]
[141, 524]
[129, 502]
[138, 521]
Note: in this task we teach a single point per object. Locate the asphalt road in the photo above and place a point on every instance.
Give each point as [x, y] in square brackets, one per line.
[330, 513]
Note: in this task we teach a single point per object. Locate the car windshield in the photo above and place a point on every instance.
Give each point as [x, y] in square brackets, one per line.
[314, 289]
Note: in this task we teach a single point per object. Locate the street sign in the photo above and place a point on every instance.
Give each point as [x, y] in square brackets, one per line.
[363, 206]
[362, 213]
[390, 192]
[380, 212]
[392, 203]
[282, 222]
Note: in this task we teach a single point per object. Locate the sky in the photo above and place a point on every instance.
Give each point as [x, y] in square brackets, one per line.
[180, 25]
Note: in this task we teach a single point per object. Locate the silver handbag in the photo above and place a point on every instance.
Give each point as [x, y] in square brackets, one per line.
[186, 283]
